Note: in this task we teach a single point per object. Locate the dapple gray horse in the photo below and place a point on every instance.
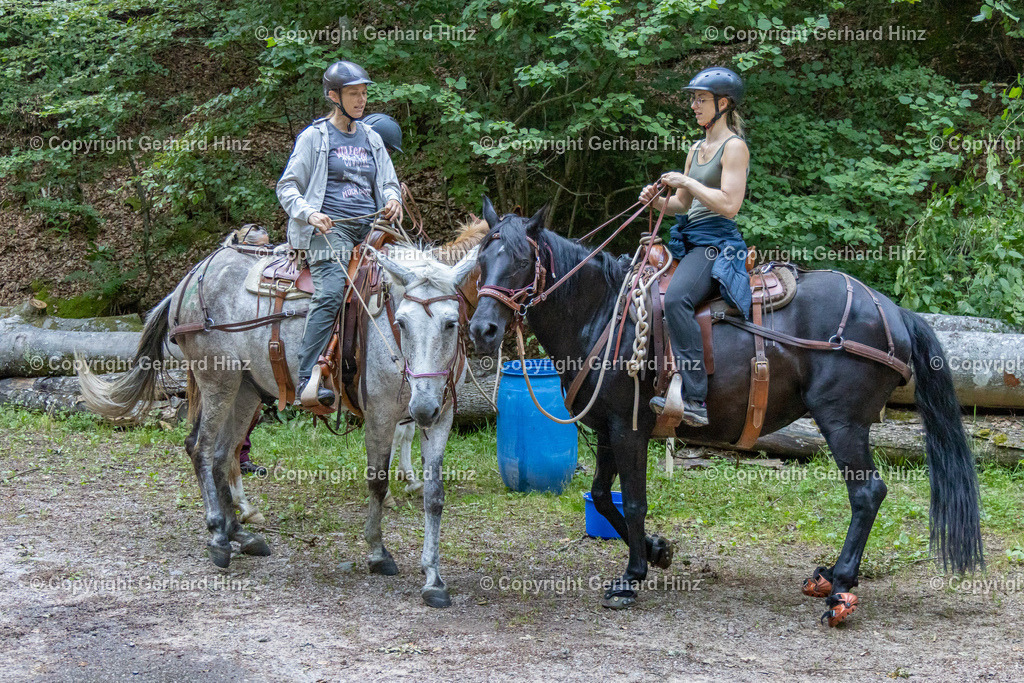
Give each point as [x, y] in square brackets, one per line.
[233, 376]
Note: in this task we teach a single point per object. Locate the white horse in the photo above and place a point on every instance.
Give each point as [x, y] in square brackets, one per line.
[232, 377]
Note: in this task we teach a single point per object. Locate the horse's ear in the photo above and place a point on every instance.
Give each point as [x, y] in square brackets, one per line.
[536, 222]
[490, 215]
[518, 210]
[462, 269]
[394, 269]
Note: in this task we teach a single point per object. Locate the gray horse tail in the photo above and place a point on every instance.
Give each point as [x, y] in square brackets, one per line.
[139, 385]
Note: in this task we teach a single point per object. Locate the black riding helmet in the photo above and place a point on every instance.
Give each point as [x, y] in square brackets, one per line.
[720, 82]
[340, 74]
[387, 128]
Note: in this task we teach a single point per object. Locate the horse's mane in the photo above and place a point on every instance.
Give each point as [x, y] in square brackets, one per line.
[423, 260]
[471, 233]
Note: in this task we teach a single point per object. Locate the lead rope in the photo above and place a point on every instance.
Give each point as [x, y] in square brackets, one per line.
[640, 296]
[604, 364]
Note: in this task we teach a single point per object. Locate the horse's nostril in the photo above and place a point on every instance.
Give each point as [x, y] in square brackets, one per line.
[490, 331]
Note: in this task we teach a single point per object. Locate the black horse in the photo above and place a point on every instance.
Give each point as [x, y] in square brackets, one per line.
[844, 394]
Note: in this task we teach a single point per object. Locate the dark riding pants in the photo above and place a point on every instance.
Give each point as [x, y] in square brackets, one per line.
[691, 284]
[329, 277]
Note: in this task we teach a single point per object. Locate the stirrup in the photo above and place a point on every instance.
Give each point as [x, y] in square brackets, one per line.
[673, 410]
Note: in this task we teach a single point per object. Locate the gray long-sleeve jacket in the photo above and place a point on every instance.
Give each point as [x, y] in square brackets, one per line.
[303, 184]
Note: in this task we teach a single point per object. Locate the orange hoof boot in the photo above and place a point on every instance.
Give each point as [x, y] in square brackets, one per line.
[817, 586]
[844, 607]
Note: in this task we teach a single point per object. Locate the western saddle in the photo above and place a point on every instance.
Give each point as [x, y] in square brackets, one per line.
[276, 274]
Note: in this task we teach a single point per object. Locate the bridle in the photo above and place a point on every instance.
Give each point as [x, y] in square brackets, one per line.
[521, 299]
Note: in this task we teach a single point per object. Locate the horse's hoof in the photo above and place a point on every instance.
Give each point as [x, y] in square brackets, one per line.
[846, 603]
[254, 517]
[384, 567]
[817, 586]
[619, 599]
[256, 546]
[436, 597]
[220, 555]
[389, 501]
[660, 552]
[415, 487]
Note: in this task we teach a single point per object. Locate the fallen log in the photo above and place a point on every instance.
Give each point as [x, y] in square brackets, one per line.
[61, 394]
[30, 351]
[993, 440]
[965, 323]
[987, 369]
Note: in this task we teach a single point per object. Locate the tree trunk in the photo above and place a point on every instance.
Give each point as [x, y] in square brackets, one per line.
[987, 368]
[899, 440]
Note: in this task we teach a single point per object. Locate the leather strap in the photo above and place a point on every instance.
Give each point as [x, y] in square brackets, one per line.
[856, 348]
[595, 352]
[243, 326]
[757, 404]
[278, 359]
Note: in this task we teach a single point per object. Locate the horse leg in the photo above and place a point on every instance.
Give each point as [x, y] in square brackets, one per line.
[434, 592]
[247, 512]
[226, 413]
[207, 452]
[245, 411]
[379, 435]
[851, 449]
[402, 445]
[659, 550]
[630, 450]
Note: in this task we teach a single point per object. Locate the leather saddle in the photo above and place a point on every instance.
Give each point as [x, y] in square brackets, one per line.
[773, 286]
[340, 365]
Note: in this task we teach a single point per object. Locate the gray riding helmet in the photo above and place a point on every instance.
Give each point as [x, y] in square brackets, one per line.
[387, 128]
[720, 82]
[340, 74]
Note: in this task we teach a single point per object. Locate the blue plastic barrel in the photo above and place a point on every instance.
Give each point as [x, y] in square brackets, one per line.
[534, 453]
[597, 525]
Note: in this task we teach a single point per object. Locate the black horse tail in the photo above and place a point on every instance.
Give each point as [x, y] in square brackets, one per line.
[139, 385]
[955, 517]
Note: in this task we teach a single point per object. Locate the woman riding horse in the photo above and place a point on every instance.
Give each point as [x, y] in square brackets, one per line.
[338, 179]
[705, 239]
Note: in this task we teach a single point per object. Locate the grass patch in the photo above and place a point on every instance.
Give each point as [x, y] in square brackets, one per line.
[725, 509]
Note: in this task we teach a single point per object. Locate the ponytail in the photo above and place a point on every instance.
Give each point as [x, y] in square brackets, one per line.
[735, 122]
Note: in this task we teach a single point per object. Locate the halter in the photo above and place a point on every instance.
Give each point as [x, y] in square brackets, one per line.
[458, 358]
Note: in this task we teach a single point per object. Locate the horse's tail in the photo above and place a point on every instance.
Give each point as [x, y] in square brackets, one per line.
[955, 518]
[139, 385]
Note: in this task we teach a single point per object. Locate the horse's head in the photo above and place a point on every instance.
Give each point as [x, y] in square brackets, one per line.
[509, 274]
[428, 317]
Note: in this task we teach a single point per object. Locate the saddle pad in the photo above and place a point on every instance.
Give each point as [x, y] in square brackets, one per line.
[255, 283]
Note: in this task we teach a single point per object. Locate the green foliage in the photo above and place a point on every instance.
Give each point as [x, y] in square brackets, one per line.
[516, 99]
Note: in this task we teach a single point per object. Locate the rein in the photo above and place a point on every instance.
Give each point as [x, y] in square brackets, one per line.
[519, 300]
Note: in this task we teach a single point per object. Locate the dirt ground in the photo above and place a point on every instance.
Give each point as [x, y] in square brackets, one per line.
[104, 576]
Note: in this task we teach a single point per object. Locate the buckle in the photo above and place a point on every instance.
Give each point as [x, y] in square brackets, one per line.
[288, 284]
[207, 324]
[837, 345]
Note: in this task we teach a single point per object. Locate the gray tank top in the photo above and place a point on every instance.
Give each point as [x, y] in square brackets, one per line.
[709, 175]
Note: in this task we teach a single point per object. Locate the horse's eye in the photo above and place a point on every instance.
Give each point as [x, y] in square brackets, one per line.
[451, 325]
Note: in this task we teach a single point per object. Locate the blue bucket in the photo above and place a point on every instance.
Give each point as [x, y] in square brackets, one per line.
[534, 453]
[597, 525]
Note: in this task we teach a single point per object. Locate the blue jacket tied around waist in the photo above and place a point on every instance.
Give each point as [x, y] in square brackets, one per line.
[729, 268]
